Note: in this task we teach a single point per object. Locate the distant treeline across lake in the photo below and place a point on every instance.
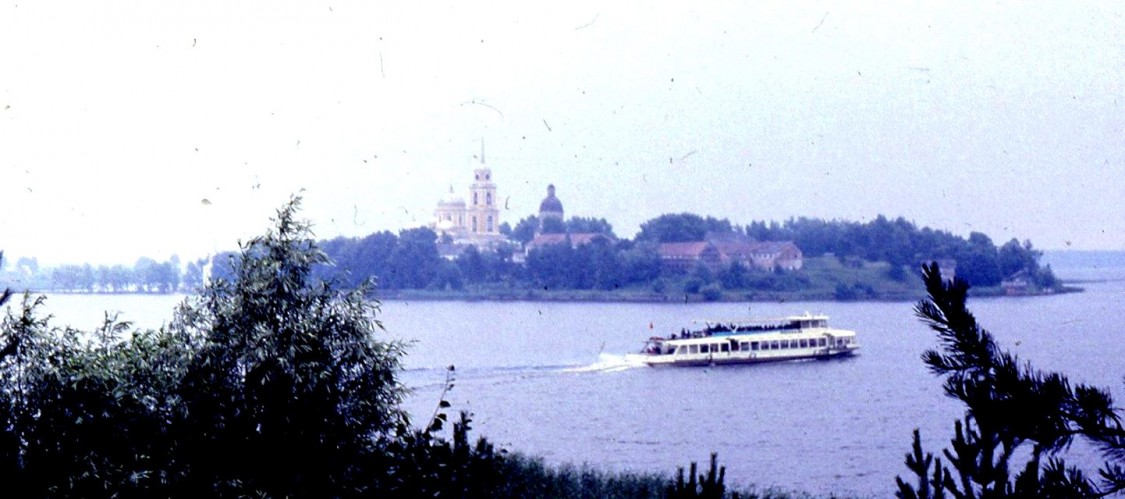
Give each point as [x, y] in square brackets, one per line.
[838, 260]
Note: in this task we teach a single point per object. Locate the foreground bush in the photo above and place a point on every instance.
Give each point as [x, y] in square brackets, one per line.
[267, 384]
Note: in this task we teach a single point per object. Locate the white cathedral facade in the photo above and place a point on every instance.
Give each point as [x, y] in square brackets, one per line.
[476, 222]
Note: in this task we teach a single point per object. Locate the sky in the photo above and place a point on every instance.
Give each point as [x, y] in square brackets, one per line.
[138, 128]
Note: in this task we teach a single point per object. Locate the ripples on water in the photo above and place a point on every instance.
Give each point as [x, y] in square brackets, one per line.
[562, 385]
[557, 380]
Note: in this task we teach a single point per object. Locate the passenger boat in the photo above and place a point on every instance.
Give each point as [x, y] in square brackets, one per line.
[750, 341]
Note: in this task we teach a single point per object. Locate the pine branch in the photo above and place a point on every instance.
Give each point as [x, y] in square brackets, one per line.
[1008, 405]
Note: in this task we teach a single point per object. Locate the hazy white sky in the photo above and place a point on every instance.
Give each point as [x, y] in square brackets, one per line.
[140, 128]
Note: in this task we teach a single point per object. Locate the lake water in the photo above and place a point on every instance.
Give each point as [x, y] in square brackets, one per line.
[551, 379]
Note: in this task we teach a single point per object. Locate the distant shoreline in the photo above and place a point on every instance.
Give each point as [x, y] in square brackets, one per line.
[565, 296]
[587, 296]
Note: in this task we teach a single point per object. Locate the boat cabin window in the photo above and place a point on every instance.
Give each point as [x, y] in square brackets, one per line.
[774, 345]
[681, 350]
[804, 343]
[734, 346]
[704, 348]
[745, 345]
[784, 343]
[823, 342]
[693, 349]
[754, 345]
[725, 347]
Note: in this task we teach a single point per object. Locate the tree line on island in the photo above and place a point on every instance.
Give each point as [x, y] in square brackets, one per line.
[412, 260]
[274, 383]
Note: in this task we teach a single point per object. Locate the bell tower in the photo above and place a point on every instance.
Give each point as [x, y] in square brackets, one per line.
[484, 215]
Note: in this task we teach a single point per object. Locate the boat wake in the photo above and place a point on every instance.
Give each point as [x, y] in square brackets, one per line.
[609, 363]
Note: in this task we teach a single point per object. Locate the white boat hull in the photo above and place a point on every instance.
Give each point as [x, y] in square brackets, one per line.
[729, 358]
[750, 342]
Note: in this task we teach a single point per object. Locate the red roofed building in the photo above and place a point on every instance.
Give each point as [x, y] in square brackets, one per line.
[771, 255]
[767, 255]
[685, 256]
[737, 252]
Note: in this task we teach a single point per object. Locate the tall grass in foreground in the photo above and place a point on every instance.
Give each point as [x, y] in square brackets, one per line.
[529, 477]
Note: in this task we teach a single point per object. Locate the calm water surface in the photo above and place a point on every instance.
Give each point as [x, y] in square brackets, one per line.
[551, 379]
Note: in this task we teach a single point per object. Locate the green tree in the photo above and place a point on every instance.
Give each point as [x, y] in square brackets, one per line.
[472, 265]
[711, 292]
[414, 262]
[78, 278]
[682, 227]
[1045, 278]
[692, 285]
[605, 264]
[269, 383]
[448, 276]
[640, 264]
[65, 278]
[7, 293]
[977, 262]
[371, 259]
[526, 229]
[733, 276]
[703, 273]
[1014, 257]
[289, 391]
[167, 276]
[890, 241]
[193, 274]
[1011, 410]
[84, 414]
[588, 225]
[145, 274]
[552, 226]
[87, 278]
[553, 267]
[501, 265]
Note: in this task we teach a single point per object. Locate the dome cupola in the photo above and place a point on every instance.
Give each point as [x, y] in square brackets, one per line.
[551, 206]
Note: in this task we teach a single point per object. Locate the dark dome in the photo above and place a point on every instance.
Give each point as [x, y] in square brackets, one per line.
[551, 204]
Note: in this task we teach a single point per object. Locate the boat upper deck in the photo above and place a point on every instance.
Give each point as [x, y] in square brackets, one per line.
[770, 325]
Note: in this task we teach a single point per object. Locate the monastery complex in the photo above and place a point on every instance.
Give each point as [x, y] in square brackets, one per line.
[476, 222]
